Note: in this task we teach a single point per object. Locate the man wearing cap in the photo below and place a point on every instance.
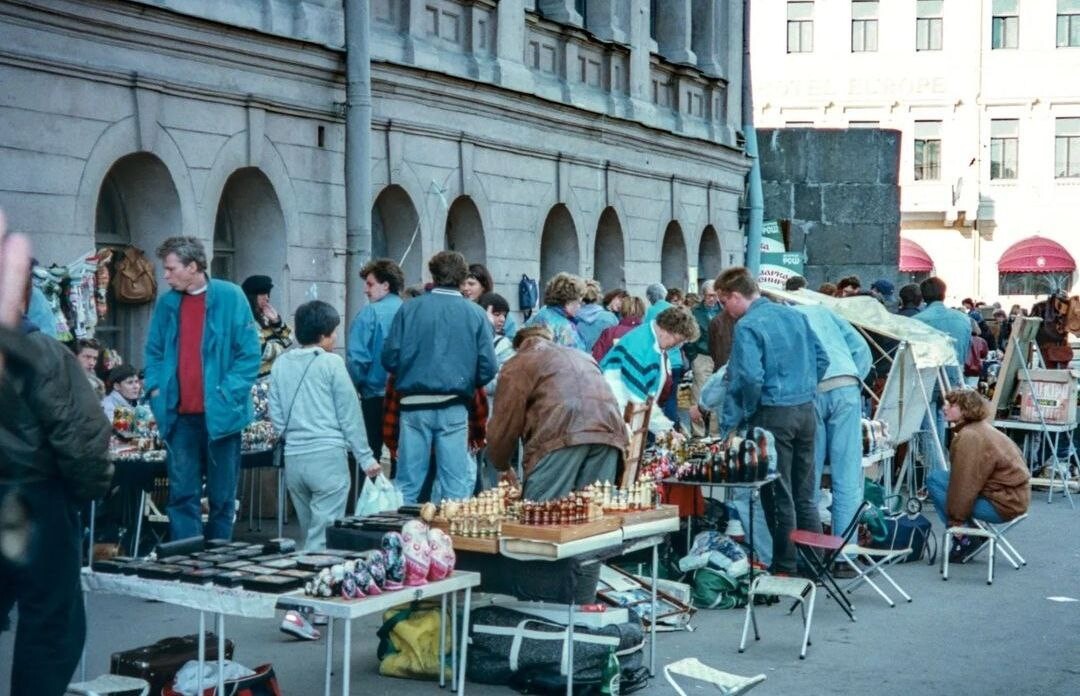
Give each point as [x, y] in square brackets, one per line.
[884, 291]
[275, 336]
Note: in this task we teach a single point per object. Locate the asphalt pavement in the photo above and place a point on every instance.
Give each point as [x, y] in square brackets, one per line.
[960, 637]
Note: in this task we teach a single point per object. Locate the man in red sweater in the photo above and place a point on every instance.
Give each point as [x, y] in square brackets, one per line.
[202, 356]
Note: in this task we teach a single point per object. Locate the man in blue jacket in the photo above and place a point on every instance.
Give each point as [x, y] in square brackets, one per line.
[202, 356]
[383, 281]
[775, 366]
[440, 351]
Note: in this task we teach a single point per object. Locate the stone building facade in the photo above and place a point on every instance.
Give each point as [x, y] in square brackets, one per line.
[535, 136]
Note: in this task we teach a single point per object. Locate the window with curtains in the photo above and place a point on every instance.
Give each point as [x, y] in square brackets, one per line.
[864, 26]
[929, 24]
[1004, 148]
[1067, 148]
[1005, 24]
[1033, 283]
[927, 150]
[800, 27]
[1068, 23]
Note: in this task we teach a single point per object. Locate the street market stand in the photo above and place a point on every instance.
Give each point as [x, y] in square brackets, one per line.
[230, 601]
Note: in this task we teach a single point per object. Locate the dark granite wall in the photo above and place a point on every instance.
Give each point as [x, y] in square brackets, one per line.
[839, 190]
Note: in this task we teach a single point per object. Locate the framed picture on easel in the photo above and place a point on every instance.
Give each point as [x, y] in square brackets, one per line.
[1018, 352]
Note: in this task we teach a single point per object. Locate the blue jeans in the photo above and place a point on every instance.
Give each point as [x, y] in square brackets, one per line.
[44, 583]
[446, 430]
[670, 405]
[938, 414]
[937, 483]
[192, 455]
[839, 439]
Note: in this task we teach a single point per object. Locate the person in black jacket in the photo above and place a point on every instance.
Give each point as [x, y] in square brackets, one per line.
[54, 441]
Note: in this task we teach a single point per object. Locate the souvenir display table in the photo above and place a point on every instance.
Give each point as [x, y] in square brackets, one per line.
[221, 601]
[1035, 434]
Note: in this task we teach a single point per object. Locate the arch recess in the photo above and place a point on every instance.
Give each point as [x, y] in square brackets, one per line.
[674, 270]
[250, 233]
[465, 230]
[609, 254]
[395, 232]
[559, 245]
[710, 258]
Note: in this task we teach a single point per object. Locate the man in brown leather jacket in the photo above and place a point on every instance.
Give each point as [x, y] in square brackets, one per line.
[556, 400]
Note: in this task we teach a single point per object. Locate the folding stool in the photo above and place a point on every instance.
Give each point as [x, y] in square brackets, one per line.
[777, 586]
[820, 551]
[692, 668]
[995, 536]
[879, 558]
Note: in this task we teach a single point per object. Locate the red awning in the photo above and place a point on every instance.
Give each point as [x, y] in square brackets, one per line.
[1036, 255]
[913, 258]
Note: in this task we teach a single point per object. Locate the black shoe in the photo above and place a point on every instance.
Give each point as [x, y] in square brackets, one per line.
[964, 548]
[842, 571]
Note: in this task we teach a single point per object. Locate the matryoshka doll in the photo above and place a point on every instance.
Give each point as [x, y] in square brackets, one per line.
[417, 552]
[377, 567]
[442, 555]
[393, 552]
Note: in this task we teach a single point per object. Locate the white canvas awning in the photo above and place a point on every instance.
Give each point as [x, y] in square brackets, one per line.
[930, 347]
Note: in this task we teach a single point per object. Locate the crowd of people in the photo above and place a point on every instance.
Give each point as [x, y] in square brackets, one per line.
[442, 390]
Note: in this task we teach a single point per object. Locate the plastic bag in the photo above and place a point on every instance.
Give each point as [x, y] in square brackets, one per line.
[378, 495]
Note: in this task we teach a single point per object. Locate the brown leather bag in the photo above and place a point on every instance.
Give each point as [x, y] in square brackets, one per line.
[134, 282]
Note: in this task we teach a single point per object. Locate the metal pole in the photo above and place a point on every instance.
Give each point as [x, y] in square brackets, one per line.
[755, 198]
[357, 149]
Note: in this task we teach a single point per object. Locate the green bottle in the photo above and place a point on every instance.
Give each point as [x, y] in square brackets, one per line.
[610, 678]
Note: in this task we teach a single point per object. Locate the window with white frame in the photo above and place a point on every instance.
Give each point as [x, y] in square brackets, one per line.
[1067, 148]
[864, 26]
[1005, 24]
[800, 27]
[1004, 148]
[927, 150]
[1068, 23]
[929, 24]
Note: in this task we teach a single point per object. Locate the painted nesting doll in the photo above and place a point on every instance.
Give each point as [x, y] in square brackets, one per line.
[393, 552]
[417, 552]
[442, 554]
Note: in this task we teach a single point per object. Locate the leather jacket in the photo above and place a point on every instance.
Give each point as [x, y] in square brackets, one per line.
[52, 426]
[552, 397]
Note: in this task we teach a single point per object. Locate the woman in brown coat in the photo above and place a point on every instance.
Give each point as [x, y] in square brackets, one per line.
[989, 478]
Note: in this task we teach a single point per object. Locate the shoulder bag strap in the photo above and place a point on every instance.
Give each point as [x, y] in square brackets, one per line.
[288, 415]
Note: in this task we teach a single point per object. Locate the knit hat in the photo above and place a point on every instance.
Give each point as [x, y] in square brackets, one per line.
[257, 285]
[883, 286]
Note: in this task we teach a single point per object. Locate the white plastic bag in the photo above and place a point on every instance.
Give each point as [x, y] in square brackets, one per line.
[378, 495]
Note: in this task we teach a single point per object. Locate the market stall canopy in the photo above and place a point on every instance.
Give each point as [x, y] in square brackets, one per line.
[913, 258]
[1036, 255]
[931, 348]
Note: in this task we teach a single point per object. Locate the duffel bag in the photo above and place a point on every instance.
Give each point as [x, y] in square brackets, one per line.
[509, 647]
[906, 531]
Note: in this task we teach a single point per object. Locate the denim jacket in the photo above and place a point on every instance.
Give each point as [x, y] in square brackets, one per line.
[776, 360]
[956, 324]
[366, 336]
[849, 354]
[230, 357]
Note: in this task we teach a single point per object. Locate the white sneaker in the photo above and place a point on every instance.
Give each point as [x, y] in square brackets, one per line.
[296, 625]
[735, 529]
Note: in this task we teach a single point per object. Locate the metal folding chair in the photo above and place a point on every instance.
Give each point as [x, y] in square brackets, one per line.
[877, 559]
[799, 589]
[820, 551]
[995, 537]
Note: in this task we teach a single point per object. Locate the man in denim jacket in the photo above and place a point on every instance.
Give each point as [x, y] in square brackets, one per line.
[773, 373]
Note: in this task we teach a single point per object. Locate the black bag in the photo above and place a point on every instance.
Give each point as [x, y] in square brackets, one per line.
[902, 531]
[512, 648]
[159, 663]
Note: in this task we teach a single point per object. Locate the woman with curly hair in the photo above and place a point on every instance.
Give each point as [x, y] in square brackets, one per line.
[562, 300]
[988, 479]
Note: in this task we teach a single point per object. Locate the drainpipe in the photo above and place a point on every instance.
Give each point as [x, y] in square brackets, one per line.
[357, 150]
[754, 196]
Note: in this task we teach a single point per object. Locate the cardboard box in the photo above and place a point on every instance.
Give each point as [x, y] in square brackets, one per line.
[1055, 394]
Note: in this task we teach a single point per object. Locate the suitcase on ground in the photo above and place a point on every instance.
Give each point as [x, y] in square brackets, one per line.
[159, 663]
